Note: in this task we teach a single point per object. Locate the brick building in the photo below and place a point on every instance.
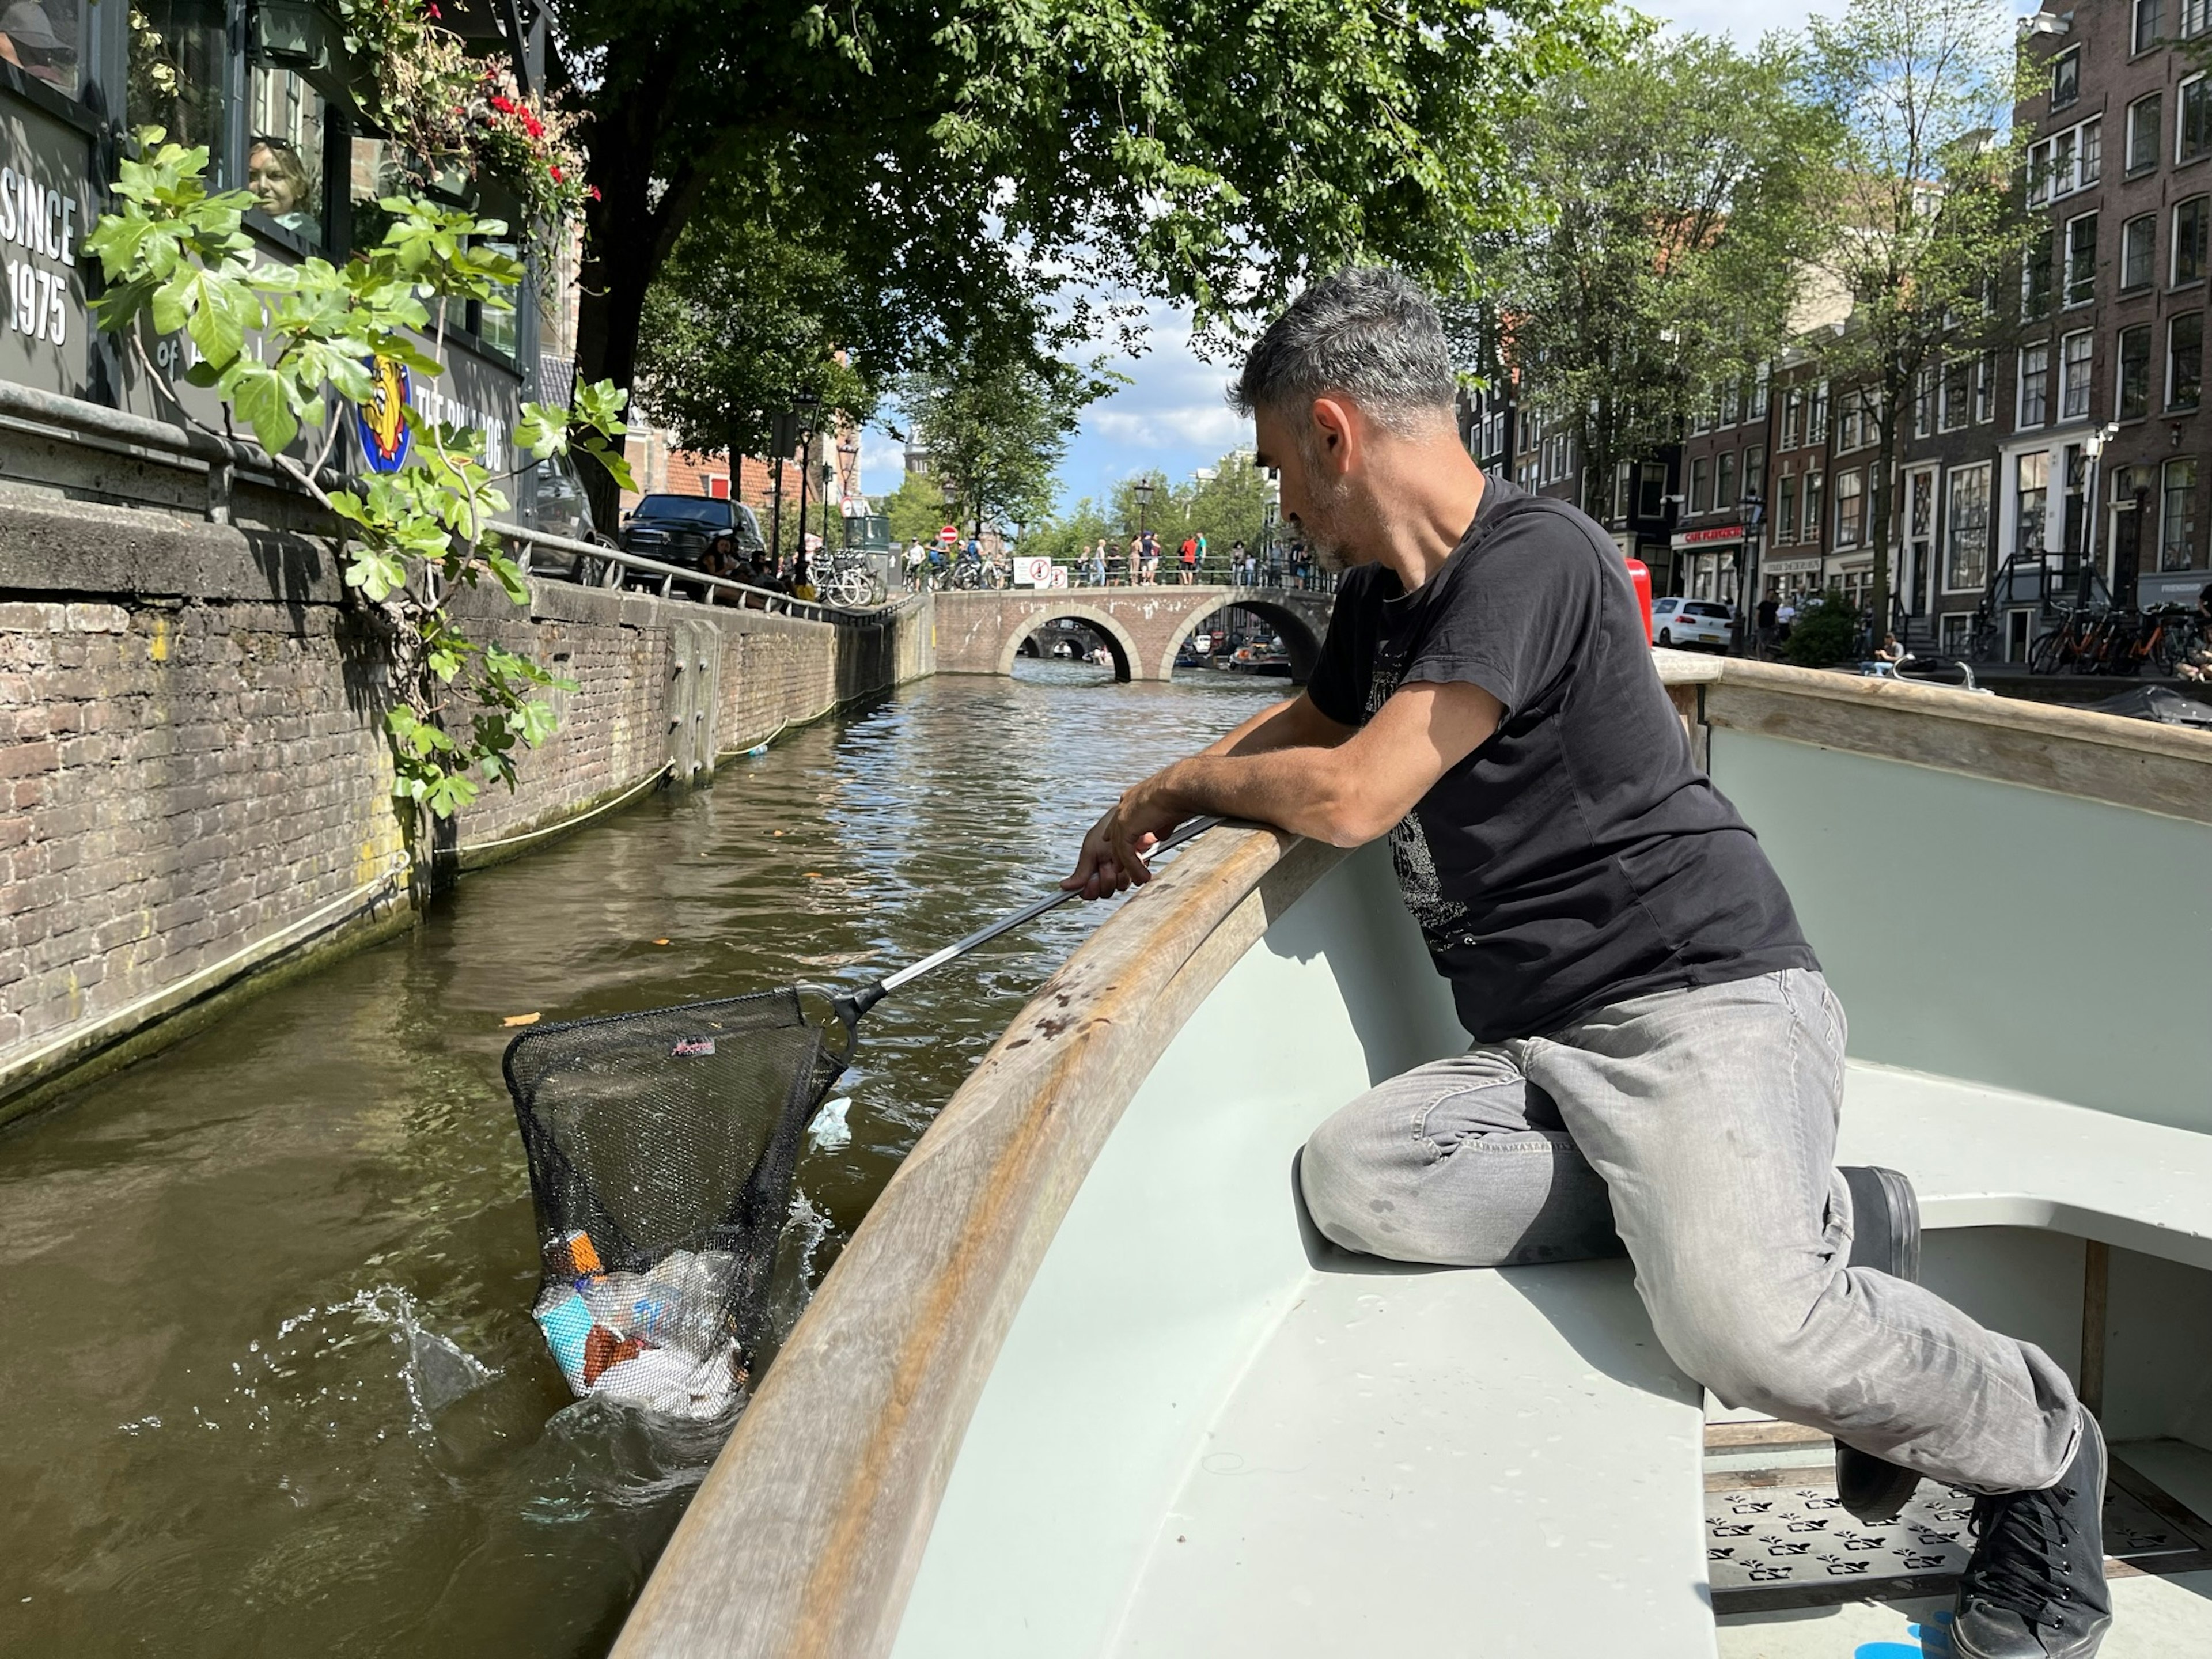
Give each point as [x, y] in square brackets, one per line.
[2114, 305]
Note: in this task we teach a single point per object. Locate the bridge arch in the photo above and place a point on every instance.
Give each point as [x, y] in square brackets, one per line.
[1128, 657]
[1300, 639]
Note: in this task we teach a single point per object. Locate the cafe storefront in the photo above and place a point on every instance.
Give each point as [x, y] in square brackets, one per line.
[1705, 562]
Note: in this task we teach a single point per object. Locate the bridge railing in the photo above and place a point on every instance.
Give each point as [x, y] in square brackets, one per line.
[1215, 570]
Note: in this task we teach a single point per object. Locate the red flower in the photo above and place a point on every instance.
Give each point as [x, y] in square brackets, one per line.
[556, 172]
[592, 191]
[504, 106]
[532, 125]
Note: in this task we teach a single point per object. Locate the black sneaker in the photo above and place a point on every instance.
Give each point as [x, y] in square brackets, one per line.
[1885, 1236]
[2034, 1588]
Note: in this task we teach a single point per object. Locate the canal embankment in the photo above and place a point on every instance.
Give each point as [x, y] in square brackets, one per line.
[195, 790]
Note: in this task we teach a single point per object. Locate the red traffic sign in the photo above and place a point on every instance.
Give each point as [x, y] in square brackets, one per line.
[948, 535]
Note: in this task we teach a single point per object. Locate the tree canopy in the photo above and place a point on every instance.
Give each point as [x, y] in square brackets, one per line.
[1928, 222]
[1682, 180]
[994, 433]
[975, 156]
[749, 316]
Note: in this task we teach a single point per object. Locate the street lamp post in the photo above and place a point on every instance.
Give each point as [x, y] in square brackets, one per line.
[2093, 447]
[1753, 514]
[804, 406]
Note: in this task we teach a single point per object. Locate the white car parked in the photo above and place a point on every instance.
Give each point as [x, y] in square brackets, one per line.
[1680, 621]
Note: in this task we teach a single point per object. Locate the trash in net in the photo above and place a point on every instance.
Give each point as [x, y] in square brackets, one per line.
[662, 1147]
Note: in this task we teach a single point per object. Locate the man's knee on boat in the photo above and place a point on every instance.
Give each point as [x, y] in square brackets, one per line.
[1376, 1191]
[1754, 1351]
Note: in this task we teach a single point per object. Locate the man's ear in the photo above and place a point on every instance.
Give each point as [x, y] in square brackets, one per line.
[1337, 435]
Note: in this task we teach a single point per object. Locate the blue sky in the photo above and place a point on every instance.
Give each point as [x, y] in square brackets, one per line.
[1172, 416]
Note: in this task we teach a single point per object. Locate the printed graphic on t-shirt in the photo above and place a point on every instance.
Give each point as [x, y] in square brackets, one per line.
[1440, 918]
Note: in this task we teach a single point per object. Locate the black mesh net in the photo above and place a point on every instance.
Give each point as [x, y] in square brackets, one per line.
[662, 1147]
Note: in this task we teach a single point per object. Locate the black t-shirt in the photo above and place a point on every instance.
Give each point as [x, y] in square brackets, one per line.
[1578, 857]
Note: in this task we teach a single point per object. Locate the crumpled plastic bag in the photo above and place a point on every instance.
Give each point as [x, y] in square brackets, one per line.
[656, 1340]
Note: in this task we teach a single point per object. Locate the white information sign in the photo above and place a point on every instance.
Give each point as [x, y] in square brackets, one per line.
[1034, 572]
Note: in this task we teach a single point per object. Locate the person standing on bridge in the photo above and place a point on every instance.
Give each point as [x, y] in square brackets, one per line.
[1188, 554]
[1657, 1061]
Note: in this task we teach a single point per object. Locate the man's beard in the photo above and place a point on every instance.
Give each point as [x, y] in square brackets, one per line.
[1323, 535]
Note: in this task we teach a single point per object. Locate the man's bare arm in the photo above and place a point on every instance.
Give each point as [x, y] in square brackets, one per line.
[1293, 724]
[1346, 794]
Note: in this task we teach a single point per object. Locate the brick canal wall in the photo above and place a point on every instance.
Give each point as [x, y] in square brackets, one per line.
[194, 788]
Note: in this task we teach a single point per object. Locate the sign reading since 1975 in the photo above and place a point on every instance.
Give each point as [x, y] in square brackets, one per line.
[45, 204]
[39, 227]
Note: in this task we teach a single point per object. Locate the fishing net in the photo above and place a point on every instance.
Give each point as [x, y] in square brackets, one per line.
[662, 1147]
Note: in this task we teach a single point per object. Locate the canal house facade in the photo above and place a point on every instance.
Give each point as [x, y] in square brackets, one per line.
[2113, 308]
[268, 89]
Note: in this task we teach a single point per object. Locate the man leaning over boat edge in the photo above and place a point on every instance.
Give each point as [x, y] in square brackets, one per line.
[1652, 1033]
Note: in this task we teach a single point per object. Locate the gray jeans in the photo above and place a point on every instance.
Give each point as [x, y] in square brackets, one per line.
[1701, 1124]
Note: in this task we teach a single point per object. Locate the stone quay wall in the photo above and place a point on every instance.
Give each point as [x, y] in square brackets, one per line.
[195, 793]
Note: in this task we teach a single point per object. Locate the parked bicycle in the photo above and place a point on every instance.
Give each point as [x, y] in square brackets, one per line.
[850, 581]
[2117, 640]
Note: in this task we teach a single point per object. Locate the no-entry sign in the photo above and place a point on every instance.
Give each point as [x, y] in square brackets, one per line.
[948, 535]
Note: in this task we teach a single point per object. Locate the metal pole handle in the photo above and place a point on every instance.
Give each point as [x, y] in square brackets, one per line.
[852, 1007]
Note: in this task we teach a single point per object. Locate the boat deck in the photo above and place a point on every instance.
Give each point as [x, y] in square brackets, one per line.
[1369, 1442]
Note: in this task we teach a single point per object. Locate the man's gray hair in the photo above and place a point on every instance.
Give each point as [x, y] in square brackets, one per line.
[1367, 334]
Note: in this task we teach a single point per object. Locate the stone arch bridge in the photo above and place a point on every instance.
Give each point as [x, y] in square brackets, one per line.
[981, 633]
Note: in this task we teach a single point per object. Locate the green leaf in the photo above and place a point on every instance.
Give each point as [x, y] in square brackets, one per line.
[543, 430]
[510, 577]
[376, 573]
[262, 401]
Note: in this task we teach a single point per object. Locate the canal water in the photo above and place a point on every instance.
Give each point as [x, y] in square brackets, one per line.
[270, 1379]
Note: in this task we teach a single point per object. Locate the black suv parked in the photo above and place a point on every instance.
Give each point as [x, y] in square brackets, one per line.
[699, 532]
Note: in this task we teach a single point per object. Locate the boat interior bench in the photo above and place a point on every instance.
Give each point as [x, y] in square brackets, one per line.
[1984, 1157]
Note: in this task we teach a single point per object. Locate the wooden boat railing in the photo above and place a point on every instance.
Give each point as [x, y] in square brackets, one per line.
[806, 1535]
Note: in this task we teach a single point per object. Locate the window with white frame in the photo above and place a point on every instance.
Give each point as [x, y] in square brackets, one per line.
[2142, 133]
[1966, 539]
[1701, 485]
[2073, 359]
[1785, 510]
[2177, 522]
[1731, 404]
[2031, 500]
[1986, 387]
[1924, 403]
[2138, 252]
[1952, 411]
[1724, 482]
[1848, 422]
[2132, 383]
[2065, 78]
[2035, 277]
[2185, 361]
[2195, 14]
[2034, 385]
[2081, 259]
[1851, 508]
[2066, 162]
[1817, 424]
[1793, 419]
[1759, 394]
[2149, 14]
[1811, 516]
[2190, 220]
[2192, 121]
